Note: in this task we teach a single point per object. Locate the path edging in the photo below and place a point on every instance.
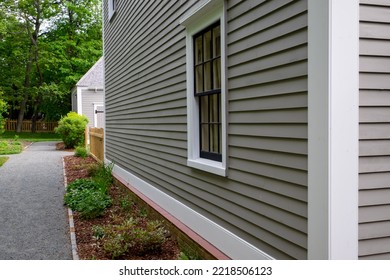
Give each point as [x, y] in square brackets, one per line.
[71, 221]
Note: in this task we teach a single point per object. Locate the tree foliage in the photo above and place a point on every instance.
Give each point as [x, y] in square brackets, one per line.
[46, 46]
[3, 110]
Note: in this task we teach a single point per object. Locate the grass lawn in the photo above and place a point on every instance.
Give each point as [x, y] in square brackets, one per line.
[31, 137]
[3, 160]
[12, 142]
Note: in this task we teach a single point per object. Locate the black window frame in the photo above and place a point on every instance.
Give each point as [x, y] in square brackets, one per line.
[210, 94]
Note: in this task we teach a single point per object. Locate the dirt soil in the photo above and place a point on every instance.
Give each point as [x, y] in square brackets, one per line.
[88, 246]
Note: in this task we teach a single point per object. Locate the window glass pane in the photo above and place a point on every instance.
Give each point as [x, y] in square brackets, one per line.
[217, 74]
[214, 108]
[199, 79]
[204, 109]
[214, 138]
[205, 138]
[217, 41]
[207, 45]
[207, 76]
[198, 50]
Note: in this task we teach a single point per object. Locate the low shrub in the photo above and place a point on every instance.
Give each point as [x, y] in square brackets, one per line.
[71, 129]
[81, 152]
[117, 240]
[102, 174]
[97, 232]
[87, 198]
[81, 184]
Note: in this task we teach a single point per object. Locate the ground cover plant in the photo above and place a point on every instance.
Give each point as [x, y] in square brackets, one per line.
[81, 151]
[123, 230]
[8, 147]
[87, 197]
[3, 160]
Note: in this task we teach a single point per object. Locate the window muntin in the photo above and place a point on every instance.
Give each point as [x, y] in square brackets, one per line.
[207, 88]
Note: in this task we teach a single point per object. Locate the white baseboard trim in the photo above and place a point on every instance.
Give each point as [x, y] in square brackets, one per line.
[230, 244]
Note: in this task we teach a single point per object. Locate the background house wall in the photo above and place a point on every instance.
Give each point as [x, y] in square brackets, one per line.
[89, 93]
[91, 98]
[374, 179]
[263, 200]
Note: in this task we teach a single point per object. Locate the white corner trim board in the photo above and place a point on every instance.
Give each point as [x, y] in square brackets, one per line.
[227, 242]
[333, 113]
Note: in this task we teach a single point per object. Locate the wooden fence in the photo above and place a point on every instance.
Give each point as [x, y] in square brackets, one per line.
[42, 126]
[96, 142]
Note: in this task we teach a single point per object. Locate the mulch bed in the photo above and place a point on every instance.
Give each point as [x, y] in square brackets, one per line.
[88, 246]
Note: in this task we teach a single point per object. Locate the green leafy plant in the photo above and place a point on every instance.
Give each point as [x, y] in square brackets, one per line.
[188, 253]
[3, 160]
[126, 203]
[81, 184]
[87, 197]
[71, 129]
[3, 110]
[97, 232]
[183, 257]
[130, 235]
[152, 237]
[10, 147]
[81, 152]
[102, 174]
[143, 212]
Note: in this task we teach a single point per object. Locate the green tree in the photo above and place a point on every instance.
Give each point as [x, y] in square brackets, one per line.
[13, 59]
[3, 110]
[32, 14]
[45, 47]
[73, 45]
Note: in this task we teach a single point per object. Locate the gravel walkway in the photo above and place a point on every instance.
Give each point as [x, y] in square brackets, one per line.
[33, 220]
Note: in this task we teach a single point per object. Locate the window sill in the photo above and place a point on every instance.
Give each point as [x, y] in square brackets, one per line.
[208, 166]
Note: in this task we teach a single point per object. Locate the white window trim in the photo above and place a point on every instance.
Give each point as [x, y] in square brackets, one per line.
[111, 8]
[203, 15]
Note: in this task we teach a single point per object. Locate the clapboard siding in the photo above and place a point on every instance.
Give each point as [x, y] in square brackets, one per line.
[381, 229]
[374, 246]
[264, 197]
[89, 98]
[374, 161]
[374, 180]
[267, 82]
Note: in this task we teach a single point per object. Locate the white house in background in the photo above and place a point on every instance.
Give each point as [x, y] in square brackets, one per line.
[88, 95]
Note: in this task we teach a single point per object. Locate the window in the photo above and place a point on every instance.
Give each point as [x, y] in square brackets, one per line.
[207, 71]
[206, 90]
[111, 8]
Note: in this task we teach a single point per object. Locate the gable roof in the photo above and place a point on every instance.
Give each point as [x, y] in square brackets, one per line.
[94, 77]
